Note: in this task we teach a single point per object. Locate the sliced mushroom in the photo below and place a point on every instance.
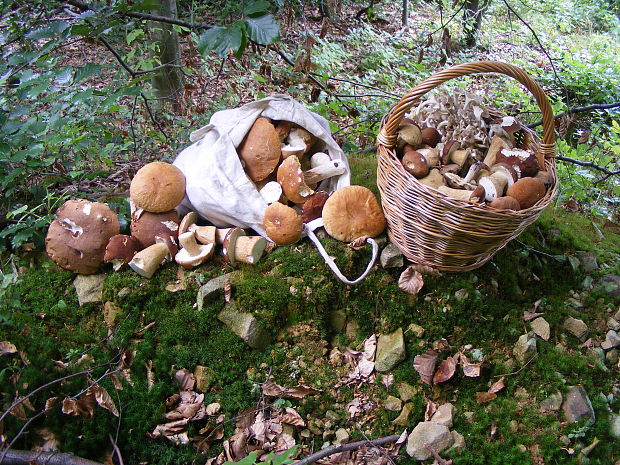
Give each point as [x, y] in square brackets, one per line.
[249, 249]
[148, 260]
[475, 196]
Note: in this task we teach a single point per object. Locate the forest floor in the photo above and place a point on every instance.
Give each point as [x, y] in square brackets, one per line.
[518, 359]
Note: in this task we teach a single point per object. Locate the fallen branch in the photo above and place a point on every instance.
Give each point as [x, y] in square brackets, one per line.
[29, 457]
[345, 447]
[570, 111]
[588, 164]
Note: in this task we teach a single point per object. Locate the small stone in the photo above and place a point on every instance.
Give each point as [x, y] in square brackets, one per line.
[211, 287]
[331, 415]
[110, 312]
[469, 417]
[125, 291]
[461, 294]
[514, 426]
[576, 327]
[586, 284]
[614, 425]
[393, 404]
[205, 377]
[337, 320]
[588, 261]
[574, 262]
[477, 355]
[541, 328]
[327, 434]
[315, 429]
[305, 433]
[426, 432]
[598, 356]
[459, 444]
[525, 348]
[612, 340]
[617, 315]
[244, 325]
[89, 287]
[391, 257]
[417, 330]
[390, 351]
[522, 448]
[352, 329]
[614, 324]
[612, 356]
[342, 436]
[577, 405]
[403, 418]
[553, 403]
[609, 285]
[406, 391]
[444, 415]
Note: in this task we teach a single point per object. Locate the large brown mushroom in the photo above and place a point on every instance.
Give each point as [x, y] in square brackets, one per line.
[77, 238]
[282, 224]
[157, 187]
[352, 212]
[260, 150]
[147, 227]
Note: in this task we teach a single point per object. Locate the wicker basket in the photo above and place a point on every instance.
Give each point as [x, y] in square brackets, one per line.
[435, 230]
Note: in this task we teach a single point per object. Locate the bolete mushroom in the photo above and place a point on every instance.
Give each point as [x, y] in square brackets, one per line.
[192, 253]
[313, 207]
[76, 240]
[430, 136]
[296, 183]
[299, 137]
[415, 164]
[352, 212]
[408, 133]
[260, 150]
[524, 162]
[505, 203]
[249, 249]
[146, 262]
[229, 244]
[157, 187]
[472, 196]
[527, 191]
[147, 227]
[121, 250]
[282, 224]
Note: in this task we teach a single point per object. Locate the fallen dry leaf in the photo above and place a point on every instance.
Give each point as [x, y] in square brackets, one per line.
[45, 440]
[424, 364]
[387, 380]
[297, 392]
[227, 291]
[150, 377]
[82, 407]
[429, 410]
[173, 431]
[190, 407]
[446, 370]
[484, 397]
[358, 243]
[103, 398]
[410, 281]
[497, 385]
[186, 379]
[471, 370]
[116, 382]
[49, 403]
[7, 348]
[291, 417]
[529, 316]
[125, 364]
[370, 348]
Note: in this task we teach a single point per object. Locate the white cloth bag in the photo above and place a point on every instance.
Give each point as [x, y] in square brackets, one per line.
[216, 186]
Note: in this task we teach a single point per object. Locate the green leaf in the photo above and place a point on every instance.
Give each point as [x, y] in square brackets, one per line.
[64, 76]
[53, 29]
[86, 71]
[248, 460]
[133, 35]
[285, 457]
[263, 29]
[222, 40]
[255, 7]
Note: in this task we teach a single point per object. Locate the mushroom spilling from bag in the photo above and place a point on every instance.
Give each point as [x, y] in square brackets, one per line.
[76, 240]
[480, 158]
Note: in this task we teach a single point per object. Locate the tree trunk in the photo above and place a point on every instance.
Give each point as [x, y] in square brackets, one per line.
[168, 83]
[472, 19]
[405, 13]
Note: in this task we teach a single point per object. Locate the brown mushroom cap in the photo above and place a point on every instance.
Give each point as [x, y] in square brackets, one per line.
[527, 191]
[260, 150]
[282, 224]
[505, 203]
[352, 212]
[313, 207]
[148, 226]
[157, 187]
[121, 248]
[523, 161]
[415, 163]
[430, 137]
[291, 178]
[77, 238]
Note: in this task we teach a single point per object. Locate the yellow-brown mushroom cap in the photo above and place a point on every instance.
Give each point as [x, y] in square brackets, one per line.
[157, 187]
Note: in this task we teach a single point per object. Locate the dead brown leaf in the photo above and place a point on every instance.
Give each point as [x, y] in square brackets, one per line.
[125, 365]
[49, 403]
[150, 377]
[45, 440]
[497, 386]
[173, 431]
[116, 382]
[7, 348]
[485, 397]
[358, 243]
[410, 281]
[529, 316]
[291, 417]
[82, 407]
[446, 370]
[471, 370]
[103, 398]
[297, 392]
[424, 364]
[186, 379]
[190, 407]
[430, 409]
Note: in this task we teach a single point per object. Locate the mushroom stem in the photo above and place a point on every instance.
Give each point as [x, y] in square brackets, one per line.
[494, 185]
[474, 196]
[474, 169]
[249, 249]
[187, 241]
[324, 171]
[146, 262]
[205, 234]
[497, 144]
[434, 179]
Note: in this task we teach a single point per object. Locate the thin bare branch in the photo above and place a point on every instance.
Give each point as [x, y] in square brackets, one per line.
[31, 457]
[570, 111]
[345, 447]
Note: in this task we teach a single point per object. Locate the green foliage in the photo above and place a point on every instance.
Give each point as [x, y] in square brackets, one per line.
[283, 458]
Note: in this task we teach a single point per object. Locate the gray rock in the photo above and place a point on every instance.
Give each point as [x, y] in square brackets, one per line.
[612, 356]
[337, 320]
[391, 257]
[244, 325]
[331, 415]
[426, 432]
[588, 261]
[393, 404]
[205, 377]
[541, 328]
[342, 436]
[614, 324]
[612, 340]
[598, 356]
[577, 405]
[574, 262]
[458, 446]
[211, 287]
[525, 348]
[403, 418]
[586, 284]
[609, 285]
[461, 294]
[614, 425]
[390, 351]
[417, 330]
[617, 315]
[576, 327]
[352, 329]
[553, 403]
[406, 391]
[89, 287]
[444, 415]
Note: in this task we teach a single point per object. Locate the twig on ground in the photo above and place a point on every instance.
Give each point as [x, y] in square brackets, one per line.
[116, 450]
[148, 108]
[436, 455]
[32, 457]
[345, 447]
[515, 372]
[380, 449]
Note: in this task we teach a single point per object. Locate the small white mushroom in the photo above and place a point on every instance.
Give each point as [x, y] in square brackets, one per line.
[271, 192]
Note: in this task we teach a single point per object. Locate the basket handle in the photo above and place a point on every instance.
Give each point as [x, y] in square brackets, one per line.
[387, 135]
